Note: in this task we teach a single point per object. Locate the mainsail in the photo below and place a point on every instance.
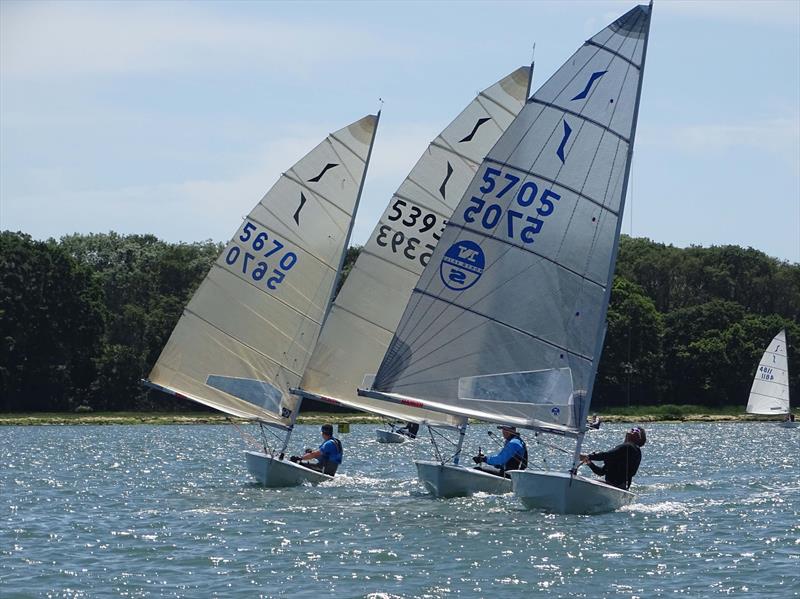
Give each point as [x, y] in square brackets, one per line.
[248, 332]
[507, 321]
[368, 308]
[770, 391]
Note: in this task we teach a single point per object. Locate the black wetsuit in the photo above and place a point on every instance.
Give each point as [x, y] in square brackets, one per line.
[620, 464]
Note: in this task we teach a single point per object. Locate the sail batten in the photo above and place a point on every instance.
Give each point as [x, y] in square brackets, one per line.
[520, 279]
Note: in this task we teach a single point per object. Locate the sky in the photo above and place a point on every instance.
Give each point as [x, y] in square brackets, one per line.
[174, 118]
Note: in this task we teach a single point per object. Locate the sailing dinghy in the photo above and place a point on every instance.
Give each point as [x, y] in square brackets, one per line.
[369, 305]
[770, 391]
[507, 322]
[248, 332]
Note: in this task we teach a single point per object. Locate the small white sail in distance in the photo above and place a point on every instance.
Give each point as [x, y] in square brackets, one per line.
[770, 391]
[248, 332]
[517, 289]
[367, 310]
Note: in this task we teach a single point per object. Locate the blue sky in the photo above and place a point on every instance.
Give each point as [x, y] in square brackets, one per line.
[174, 118]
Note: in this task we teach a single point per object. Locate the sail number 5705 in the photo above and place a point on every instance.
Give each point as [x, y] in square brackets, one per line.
[518, 225]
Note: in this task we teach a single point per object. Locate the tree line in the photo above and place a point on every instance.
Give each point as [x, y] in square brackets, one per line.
[84, 318]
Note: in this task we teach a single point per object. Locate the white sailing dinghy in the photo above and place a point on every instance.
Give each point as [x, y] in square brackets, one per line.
[770, 391]
[507, 322]
[369, 305]
[248, 332]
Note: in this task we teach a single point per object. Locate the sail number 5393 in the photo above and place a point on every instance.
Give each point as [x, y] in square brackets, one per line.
[519, 225]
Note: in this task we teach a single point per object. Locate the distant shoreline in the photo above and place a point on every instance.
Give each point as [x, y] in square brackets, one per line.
[128, 418]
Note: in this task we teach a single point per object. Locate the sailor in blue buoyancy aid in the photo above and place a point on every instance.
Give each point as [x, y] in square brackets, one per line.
[328, 456]
[513, 456]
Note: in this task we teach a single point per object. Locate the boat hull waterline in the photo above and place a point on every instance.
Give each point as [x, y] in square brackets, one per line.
[448, 480]
[384, 436]
[563, 493]
[272, 472]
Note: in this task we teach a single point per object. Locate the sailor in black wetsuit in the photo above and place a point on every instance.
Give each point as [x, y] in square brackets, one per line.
[622, 462]
[410, 430]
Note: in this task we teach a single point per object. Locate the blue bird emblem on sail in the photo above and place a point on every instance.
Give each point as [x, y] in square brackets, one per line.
[567, 133]
[595, 76]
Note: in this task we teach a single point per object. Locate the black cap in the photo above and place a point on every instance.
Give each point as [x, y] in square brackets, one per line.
[327, 429]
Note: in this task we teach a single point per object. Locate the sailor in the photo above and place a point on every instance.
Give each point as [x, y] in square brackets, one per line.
[328, 456]
[410, 430]
[595, 422]
[621, 463]
[513, 456]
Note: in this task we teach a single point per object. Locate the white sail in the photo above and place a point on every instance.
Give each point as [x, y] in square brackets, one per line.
[770, 391]
[368, 308]
[519, 285]
[248, 332]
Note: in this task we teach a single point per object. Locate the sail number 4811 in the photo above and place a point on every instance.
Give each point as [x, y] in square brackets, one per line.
[518, 225]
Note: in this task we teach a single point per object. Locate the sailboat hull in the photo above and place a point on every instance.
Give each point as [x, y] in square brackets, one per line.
[447, 480]
[272, 472]
[565, 494]
[384, 436]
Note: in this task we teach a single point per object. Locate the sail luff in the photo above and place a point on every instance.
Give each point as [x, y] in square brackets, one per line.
[612, 264]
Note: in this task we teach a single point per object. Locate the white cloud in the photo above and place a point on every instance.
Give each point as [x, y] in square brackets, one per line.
[68, 38]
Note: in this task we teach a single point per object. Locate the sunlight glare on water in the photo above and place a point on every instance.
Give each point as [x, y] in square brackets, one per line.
[171, 511]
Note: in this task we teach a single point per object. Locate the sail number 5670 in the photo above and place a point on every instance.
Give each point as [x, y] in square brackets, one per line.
[518, 224]
[253, 265]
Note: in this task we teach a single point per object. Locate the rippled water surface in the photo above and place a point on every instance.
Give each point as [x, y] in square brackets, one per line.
[170, 511]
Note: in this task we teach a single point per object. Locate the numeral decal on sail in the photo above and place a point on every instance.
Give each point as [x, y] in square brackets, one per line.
[766, 373]
[264, 259]
[517, 224]
[405, 216]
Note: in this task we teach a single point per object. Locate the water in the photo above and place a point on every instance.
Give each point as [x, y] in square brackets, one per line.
[170, 511]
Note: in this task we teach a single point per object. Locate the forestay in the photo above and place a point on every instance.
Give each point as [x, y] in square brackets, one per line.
[248, 332]
[368, 308]
[518, 287]
[770, 391]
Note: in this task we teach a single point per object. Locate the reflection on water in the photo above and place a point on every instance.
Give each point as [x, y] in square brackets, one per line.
[171, 511]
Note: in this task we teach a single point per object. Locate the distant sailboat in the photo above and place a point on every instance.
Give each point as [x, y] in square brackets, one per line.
[769, 394]
[248, 332]
[507, 322]
[368, 308]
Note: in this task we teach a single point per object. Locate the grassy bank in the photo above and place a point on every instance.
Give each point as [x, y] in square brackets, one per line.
[665, 413]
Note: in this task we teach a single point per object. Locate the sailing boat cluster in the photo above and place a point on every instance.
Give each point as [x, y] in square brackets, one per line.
[481, 293]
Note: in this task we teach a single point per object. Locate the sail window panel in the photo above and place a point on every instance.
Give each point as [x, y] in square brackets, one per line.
[196, 350]
[256, 319]
[303, 219]
[564, 308]
[379, 291]
[290, 275]
[348, 348]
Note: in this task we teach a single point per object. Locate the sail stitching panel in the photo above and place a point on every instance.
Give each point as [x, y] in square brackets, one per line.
[493, 101]
[275, 297]
[294, 178]
[443, 145]
[360, 317]
[239, 341]
[387, 261]
[581, 116]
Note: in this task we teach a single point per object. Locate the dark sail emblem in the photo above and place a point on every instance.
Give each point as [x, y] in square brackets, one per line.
[475, 129]
[446, 179]
[567, 133]
[303, 201]
[595, 76]
[328, 167]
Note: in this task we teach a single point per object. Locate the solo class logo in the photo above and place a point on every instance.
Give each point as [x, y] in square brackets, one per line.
[462, 265]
